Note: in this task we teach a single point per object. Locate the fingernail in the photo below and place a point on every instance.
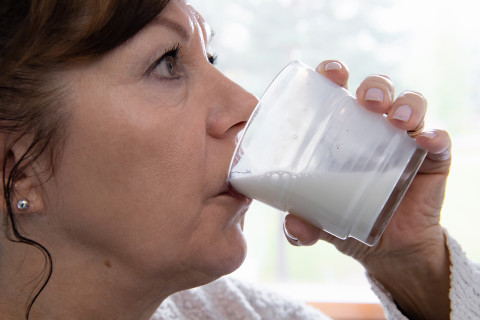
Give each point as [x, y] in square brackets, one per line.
[429, 134]
[403, 113]
[374, 94]
[333, 65]
[291, 237]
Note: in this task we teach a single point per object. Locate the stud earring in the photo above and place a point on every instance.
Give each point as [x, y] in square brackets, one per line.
[23, 204]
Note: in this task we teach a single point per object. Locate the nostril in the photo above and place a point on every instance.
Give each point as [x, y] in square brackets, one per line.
[236, 131]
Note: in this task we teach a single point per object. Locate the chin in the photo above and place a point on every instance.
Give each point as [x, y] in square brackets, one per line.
[223, 257]
[231, 253]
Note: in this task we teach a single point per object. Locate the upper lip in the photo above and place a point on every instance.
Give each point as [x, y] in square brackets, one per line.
[226, 188]
[229, 190]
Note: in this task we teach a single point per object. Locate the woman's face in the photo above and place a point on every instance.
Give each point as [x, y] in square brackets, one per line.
[141, 184]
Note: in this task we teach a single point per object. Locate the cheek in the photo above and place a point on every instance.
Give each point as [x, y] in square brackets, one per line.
[131, 184]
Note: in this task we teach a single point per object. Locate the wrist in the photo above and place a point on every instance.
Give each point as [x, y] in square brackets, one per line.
[419, 283]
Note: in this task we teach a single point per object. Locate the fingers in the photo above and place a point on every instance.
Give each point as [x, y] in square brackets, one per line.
[335, 71]
[376, 93]
[407, 111]
[439, 147]
[299, 232]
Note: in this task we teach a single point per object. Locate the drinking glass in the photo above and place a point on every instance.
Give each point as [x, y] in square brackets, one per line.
[311, 149]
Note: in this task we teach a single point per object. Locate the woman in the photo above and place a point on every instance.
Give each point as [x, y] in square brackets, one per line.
[116, 136]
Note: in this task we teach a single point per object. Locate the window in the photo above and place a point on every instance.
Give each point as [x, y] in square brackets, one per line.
[427, 47]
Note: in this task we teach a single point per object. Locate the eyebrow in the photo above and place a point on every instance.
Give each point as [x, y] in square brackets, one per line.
[178, 28]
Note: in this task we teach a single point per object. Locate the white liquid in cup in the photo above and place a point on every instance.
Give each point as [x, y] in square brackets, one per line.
[319, 197]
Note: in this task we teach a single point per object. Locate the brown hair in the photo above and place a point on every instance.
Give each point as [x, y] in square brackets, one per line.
[38, 40]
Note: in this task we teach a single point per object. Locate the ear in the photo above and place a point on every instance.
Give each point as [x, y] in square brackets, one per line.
[27, 185]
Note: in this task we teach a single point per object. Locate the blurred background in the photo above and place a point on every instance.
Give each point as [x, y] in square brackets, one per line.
[423, 45]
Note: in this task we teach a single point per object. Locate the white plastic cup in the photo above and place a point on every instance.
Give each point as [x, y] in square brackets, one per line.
[311, 149]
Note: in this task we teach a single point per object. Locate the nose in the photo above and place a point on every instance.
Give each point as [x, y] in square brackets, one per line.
[232, 107]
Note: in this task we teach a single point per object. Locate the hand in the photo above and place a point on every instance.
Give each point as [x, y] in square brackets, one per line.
[411, 259]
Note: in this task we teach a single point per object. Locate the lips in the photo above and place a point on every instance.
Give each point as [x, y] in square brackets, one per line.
[228, 190]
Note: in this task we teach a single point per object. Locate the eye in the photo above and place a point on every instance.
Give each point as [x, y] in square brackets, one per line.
[167, 66]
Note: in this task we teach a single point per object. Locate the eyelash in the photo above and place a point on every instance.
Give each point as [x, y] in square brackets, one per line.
[174, 53]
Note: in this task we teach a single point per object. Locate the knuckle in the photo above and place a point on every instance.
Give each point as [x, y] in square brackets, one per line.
[415, 99]
[411, 94]
[380, 78]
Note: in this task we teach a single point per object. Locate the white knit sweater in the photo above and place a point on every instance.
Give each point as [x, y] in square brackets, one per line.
[230, 299]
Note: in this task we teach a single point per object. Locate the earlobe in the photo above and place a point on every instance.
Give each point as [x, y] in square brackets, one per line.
[26, 192]
[27, 196]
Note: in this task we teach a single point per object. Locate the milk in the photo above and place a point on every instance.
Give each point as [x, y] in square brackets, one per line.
[334, 201]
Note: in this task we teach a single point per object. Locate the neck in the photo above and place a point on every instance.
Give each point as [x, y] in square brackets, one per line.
[21, 277]
[85, 289]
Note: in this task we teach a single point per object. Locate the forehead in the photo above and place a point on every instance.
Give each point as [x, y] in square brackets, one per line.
[182, 17]
[180, 12]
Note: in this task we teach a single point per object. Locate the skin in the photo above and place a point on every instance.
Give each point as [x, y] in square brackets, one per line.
[139, 207]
